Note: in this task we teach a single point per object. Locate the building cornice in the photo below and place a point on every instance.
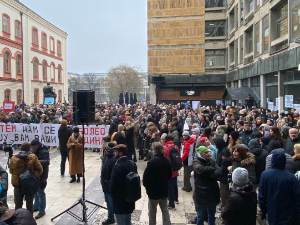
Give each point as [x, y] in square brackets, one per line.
[34, 16]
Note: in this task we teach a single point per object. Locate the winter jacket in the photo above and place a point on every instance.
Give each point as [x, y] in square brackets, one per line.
[17, 166]
[64, 133]
[260, 158]
[241, 206]
[237, 142]
[22, 216]
[224, 164]
[249, 164]
[14, 120]
[129, 139]
[274, 144]
[279, 193]
[296, 159]
[114, 126]
[174, 133]
[289, 145]
[122, 167]
[42, 154]
[156, 177]
[214, 152]
[246, 136]
[206, 173]
[4, 184]
[119, 138]
[186, 150]
[75, 154]
[106, 172]
[170, 144]
[289, 166]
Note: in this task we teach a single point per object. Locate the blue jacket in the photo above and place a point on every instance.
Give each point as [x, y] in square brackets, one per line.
[246, 136]
[279, 193]
[106, 172]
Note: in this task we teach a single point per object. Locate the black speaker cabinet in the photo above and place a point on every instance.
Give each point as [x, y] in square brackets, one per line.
[83, 106]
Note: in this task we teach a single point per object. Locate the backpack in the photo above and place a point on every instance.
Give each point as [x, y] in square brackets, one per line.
[132, 191]
[28, 181]
[176, 162]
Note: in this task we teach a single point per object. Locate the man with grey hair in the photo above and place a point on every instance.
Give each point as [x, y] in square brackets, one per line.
[155, 179]
[291, 141]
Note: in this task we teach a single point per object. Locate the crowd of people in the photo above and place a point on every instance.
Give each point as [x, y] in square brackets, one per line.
[228, 155]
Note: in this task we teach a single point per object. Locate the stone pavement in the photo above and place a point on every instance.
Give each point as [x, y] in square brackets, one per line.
[62, 195]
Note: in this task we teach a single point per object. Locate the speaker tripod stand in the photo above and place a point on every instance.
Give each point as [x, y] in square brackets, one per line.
[82, 201]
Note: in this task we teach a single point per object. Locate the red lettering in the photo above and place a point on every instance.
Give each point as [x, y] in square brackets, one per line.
[14, 129]
[97, 131]
[97, 140]
[86, 131]
[102, 131]
[2, 128]
[8, 128]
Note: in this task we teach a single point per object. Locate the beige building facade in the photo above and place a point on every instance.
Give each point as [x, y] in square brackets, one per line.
[33, 52]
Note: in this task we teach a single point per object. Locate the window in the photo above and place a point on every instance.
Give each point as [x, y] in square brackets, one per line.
[296, 21]
[44, 71]
[231, 23]
[250, 5]
[212, 29]
[35, 69]
[245, 82]
[249, 40]
[231, 52]
[255, 81]
[257, 4]
[51, 44]
[265, 25]
[35, 36]
[7, 95]
[6, 62]
[242, 13]
[18, 29]
[36, 96]
[215, 58]
[59, 74]
[59, 47]
[241, 49]
[44, 41]
[18, 64]
[236, 21]
[59, 95]
[282, 21]
[52, 72]
[214, 3]
[19, 97]
[5, 23]
[257, 39]
[272, 78]
[236, 48]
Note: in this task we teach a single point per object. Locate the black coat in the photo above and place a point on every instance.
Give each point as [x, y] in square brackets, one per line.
[122, 167]
[106, 172]
[129, 139]
[119, 138]
[4, 184]
[260, 158]
[113, 127]
[296, 159]
[206, 185]
[156, 176]
[42, 154]
[274, 144]
[289, 145]
[64, 133]
[241, 207]
[21, 216]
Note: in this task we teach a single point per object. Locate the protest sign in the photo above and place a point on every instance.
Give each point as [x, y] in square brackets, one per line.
[8, 106]
[47, 134]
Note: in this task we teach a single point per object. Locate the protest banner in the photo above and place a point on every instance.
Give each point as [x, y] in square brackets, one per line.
[47, 134]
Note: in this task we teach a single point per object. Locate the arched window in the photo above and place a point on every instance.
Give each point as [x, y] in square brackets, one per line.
[35, 40]
[7, 95]
[60, 95]
[36, 96]
[44, 40]
[18, 64]
[18, 29]
[35, 69]
[52, 48]
[59, 73]
[6, 62]
[52, 71]
[58, 48]
[5, 23]
[44, 71]
[19, 96]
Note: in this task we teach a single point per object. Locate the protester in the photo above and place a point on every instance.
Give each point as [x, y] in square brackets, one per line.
[75, 144]
[123, 166]
[41, 152]
[296, 157]
[293, 139]
[17, 165]
[155, 179]
[64, 133]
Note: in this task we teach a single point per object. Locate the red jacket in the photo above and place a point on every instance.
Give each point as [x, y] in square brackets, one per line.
[186, 149]
[167, 154]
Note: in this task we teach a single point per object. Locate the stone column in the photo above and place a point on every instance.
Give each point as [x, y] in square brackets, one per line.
[263, 91]
[153, 94]
[280, 92]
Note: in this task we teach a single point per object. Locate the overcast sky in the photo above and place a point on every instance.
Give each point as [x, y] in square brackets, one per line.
[101, 33]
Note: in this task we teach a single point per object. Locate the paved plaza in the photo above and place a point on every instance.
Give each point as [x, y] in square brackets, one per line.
[61, 195]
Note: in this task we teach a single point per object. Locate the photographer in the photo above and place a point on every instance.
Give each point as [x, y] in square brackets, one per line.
[16, 167]
[64, 132]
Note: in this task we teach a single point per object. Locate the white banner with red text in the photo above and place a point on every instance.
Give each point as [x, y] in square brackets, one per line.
[47, 134]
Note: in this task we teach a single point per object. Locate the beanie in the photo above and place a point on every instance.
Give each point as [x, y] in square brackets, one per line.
[202, 149]
[110, 147]
[35, 142]
[253, 143]
[185, 133]
[202, 140]
[240, 176]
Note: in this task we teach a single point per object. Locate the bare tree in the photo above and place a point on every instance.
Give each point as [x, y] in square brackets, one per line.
[123, 78]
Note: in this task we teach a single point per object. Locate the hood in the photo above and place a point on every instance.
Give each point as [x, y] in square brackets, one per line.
[22, 155]
[173, 128]
[256, 151]
[250, 159]
[244, 190]
[190, 141]
[170, 144]
[219, 142]
[265, 140]
[278, 160]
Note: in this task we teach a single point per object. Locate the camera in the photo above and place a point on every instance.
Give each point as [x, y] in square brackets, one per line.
[229, 177]
[8, 148]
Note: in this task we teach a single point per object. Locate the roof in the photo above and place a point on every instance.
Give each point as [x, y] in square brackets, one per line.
[239, 93]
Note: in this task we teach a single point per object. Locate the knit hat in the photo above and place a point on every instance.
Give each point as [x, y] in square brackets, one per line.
[35, 142]
[110, 147]
[240, 176]
[185, 133]
[252, 142]
[202, 149]
[197, 130]
[202, 140]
